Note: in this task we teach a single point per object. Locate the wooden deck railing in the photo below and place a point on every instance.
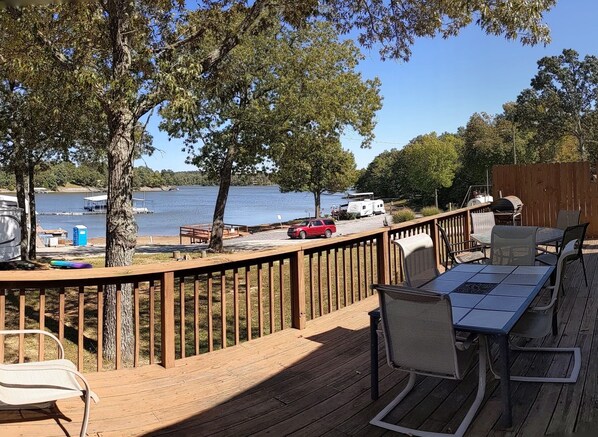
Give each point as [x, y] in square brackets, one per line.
[202, 233]
[180, 309]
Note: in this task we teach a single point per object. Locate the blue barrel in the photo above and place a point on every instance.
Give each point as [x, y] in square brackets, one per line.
[80, 235]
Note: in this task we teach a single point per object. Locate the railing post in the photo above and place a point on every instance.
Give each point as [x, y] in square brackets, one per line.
[383, 261]
[167, 319]
[297, 290]
[467, 225]
[435, 238]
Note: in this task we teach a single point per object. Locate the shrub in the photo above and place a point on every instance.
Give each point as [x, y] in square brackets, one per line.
[427, 211]
[404, 215]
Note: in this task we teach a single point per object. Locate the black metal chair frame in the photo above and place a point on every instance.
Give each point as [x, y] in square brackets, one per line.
[575, 232]
[454, 249]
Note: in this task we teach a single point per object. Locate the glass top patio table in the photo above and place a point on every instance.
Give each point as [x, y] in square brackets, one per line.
[543, 236]
[489, 299]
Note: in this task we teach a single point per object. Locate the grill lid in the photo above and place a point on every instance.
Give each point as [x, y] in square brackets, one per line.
[510, 204]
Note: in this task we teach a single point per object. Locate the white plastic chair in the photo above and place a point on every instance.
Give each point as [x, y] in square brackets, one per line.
[418, 259]
[538, 322]
[420, 339]
[513, 245]
[40, 384]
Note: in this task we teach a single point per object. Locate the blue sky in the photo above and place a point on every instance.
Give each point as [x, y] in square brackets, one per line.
[444, 83]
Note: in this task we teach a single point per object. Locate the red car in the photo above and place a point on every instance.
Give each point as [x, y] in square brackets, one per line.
[317, 227]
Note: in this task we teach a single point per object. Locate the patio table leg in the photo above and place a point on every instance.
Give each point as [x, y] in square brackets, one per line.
[506, 420]
[374, 319]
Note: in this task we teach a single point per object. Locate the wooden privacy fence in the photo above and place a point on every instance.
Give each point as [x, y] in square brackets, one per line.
[545, 189]
[180, 309]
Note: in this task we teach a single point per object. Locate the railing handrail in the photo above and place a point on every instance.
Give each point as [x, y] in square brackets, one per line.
[25, 278]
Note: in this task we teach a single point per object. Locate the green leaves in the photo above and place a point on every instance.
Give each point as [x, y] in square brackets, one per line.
[379, 176]
[394, 26]
[562, 102]
[430, 163]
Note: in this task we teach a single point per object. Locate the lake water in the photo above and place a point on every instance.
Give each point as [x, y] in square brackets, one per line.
[189, 205]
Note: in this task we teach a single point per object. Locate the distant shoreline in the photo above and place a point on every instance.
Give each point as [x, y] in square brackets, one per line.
[90, 190]
[103, 190]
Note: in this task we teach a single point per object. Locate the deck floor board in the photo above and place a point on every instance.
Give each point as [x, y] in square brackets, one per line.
[316, 382]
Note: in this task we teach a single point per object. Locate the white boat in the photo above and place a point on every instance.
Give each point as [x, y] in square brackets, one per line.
[359, 196]
[479, 199]
[99, 204]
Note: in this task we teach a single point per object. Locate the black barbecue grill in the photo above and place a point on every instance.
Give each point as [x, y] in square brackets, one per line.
[507, 209]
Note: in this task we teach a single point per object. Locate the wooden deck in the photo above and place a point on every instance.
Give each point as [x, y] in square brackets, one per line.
[316, 382]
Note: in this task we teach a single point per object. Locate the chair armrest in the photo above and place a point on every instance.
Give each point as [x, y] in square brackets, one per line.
[543, 250]
[543, 308]
[54, 367]
[466, 245]
[472, 249]
[36, 331]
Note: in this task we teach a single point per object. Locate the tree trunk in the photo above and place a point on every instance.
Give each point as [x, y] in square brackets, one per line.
[32, 216]
[22, 189]
[121, 231]
[317, 201]
[226, 174]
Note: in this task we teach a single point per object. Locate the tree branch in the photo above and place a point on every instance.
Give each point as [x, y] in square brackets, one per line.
[60, 59]
[254, 14]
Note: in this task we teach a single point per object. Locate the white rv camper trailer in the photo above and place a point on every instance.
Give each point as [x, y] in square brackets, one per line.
[378, 206]
[365, 208]
[362, 208]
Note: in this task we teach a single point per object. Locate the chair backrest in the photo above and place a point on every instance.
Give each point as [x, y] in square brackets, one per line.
[568, 253]
[566, 218]
[575, 233]
[447, 246]
[482, 222]
[513, 245]
[418, 330]
[418, 259]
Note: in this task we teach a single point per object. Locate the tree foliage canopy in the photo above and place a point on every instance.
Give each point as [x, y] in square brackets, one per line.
[429, 163]
[394, 26]
[322, 96]
[562, 102]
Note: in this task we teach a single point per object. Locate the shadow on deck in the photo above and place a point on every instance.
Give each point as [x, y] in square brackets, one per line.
[316, 382]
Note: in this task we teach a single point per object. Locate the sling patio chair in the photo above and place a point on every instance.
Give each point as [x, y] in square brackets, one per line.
[564, 219]
[418, 259]
[420, 339]
[460, 252]
[572, 233]
[513, 245]
[541, 320]
[39, 384]
[482, 222]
